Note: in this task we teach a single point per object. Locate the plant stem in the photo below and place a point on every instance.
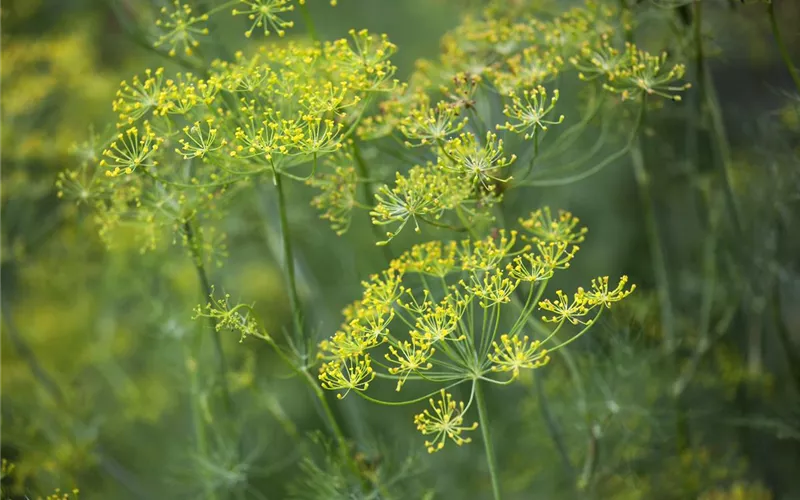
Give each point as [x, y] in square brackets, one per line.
[643, 181]
[205, 286]
[787, 59]
[309, 22]
[288, 254]
[551, 424]
[369, 196]
[483, 418]
[200, 437]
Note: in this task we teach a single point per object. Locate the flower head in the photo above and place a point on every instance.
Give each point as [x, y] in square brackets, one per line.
[543, 227]
[446, 420]
[181, 28]
[409, 357]
[645, 74]
[134, 148]
[478, 162]
[529, 112]
[513, 354]
[565, 310]
[346, 374]
[266, 14]
[601, 295]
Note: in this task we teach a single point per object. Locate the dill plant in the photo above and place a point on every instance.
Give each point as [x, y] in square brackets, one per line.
[451, 152]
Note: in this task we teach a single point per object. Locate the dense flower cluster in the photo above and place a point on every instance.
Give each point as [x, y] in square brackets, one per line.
[452, 312]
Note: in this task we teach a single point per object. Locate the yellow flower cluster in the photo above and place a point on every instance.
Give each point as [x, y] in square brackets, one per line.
[445, 421]
[452, 312]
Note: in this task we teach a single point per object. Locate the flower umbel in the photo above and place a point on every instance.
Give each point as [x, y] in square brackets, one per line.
[265, 14]
[514, 353]
[601, 295]
[445, 421]
[529, 111]
[181, 28]
[353, 373]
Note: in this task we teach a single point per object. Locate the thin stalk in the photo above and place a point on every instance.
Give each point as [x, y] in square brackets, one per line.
[200, 437]
[643, 182]
[309, 22]
[326, 409]
[785, 55]
[288, 254]
[551, 424]
[483, 419]
[369, 196]
[205, 286]
[722, 146]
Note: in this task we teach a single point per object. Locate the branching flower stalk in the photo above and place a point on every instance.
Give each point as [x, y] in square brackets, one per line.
[643, 183]
[243, 319]
[436, 314]
[205, 286]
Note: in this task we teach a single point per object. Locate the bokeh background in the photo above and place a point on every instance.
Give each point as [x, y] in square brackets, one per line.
[94, 380]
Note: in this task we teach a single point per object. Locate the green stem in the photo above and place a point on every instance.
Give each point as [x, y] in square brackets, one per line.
[787, 58]
[309, 22]
[722, 147]
[205, 285]
[483, 418]
[288, 254]
[369, 196]
[201, 440]
[643, 182]
[551, 424]
[326, 409]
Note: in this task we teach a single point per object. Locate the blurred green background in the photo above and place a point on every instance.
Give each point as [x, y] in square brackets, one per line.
[94, 379]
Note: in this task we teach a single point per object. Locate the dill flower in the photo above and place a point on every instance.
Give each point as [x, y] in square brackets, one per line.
[353, 373]
[415, 196]
[227, 317]
[409, 357]
[435, 258]
[601, 295]
[513, 354]
[266, 14]
[132, 149]
[199, 141]
[438, 324]
[462, 91]
[495, 288]
[139, 97]
[445, 421]
[338, 196]
[383, 289]
[565, 310]
[353, 340]
[181, 28]
[527, 69]
[529, 112]
[543, 227]
[645, 74]
[432, 125]
[466, 156]
[529, 268]
[365, 59]
[596, 60]
[57, 494]
[449, 328]
[486, 254]
[556, 254]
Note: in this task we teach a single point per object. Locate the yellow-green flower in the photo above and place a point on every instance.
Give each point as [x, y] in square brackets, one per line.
[353, 373]
[445, 421]
[513, 354]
